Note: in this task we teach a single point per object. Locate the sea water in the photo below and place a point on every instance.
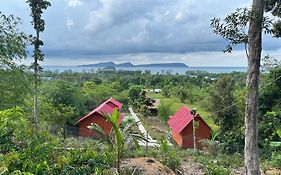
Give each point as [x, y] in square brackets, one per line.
[153, 70]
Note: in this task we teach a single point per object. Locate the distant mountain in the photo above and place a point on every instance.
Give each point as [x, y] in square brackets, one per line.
[128, 64]
[163, 65]
[102, 64]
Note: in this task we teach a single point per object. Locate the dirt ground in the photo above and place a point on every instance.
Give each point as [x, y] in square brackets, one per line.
[144, 166]
[273, 171]
[150, 166]
[189, 167]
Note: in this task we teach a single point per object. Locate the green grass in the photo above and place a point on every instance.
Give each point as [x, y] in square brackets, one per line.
[176, 104]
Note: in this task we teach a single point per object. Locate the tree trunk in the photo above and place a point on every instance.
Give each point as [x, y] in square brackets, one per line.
[251, 155]
[35, 110]
[194, 132]
[36, 72]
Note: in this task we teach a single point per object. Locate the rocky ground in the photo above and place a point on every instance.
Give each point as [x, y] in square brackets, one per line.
[189, 167]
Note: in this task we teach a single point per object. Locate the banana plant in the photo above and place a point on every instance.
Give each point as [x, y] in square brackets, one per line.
[120, 135]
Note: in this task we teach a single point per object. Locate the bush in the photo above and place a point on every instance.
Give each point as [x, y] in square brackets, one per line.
[217, 170]
[220, 164]
[13, 127]
[276, 160]
[169, 155]
[166, 91]
[26, 151]
[164, 111]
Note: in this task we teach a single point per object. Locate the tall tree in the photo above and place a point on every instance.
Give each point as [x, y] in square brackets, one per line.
[37, 7]
[222, 95]
[233, 31]
[251, 155]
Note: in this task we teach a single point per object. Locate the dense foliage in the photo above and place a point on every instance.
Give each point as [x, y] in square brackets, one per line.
[63, 102]
[226, 113]
[270, 114]
[13, 42]
[23, 150]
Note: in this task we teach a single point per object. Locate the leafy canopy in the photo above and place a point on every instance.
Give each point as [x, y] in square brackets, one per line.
[234, 27]
[274, 6]
[13, 42]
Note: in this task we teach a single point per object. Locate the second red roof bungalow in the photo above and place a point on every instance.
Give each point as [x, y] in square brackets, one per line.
[181, 124]
[96, 116]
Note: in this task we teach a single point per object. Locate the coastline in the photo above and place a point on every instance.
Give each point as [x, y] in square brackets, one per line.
[153, 70]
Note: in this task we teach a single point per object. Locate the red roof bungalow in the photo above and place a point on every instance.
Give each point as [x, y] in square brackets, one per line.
[181, 124]
[96, 116]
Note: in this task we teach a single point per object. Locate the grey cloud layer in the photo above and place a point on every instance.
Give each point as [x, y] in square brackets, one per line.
[83, 28]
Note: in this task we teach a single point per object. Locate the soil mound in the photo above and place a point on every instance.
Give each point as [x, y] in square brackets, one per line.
[144, 166]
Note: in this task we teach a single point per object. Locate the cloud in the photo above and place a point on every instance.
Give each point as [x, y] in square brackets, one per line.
[74, 3]
[88, 29]
[159, 25]
[70, 23]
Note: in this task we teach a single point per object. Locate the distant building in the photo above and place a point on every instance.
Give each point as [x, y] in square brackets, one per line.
[96, 116]
[157, 90]
[181, 124]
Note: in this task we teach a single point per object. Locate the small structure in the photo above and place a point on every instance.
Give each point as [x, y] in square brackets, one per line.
[181, 124]
[157, 91]
[96, 116]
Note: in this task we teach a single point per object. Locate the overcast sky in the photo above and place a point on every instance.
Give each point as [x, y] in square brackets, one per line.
[139, 31]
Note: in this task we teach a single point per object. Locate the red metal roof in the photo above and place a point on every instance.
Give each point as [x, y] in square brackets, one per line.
[115, 102]
[181, 119]
[105, 108]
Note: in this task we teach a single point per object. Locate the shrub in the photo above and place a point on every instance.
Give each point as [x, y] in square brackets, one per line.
[212, 146]
[217, 170]
[121, 136]
[276, 160]
[169, 155]
[276, 155]
[23, 151]
[164, 111]
[220, 164]
[13, 127]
